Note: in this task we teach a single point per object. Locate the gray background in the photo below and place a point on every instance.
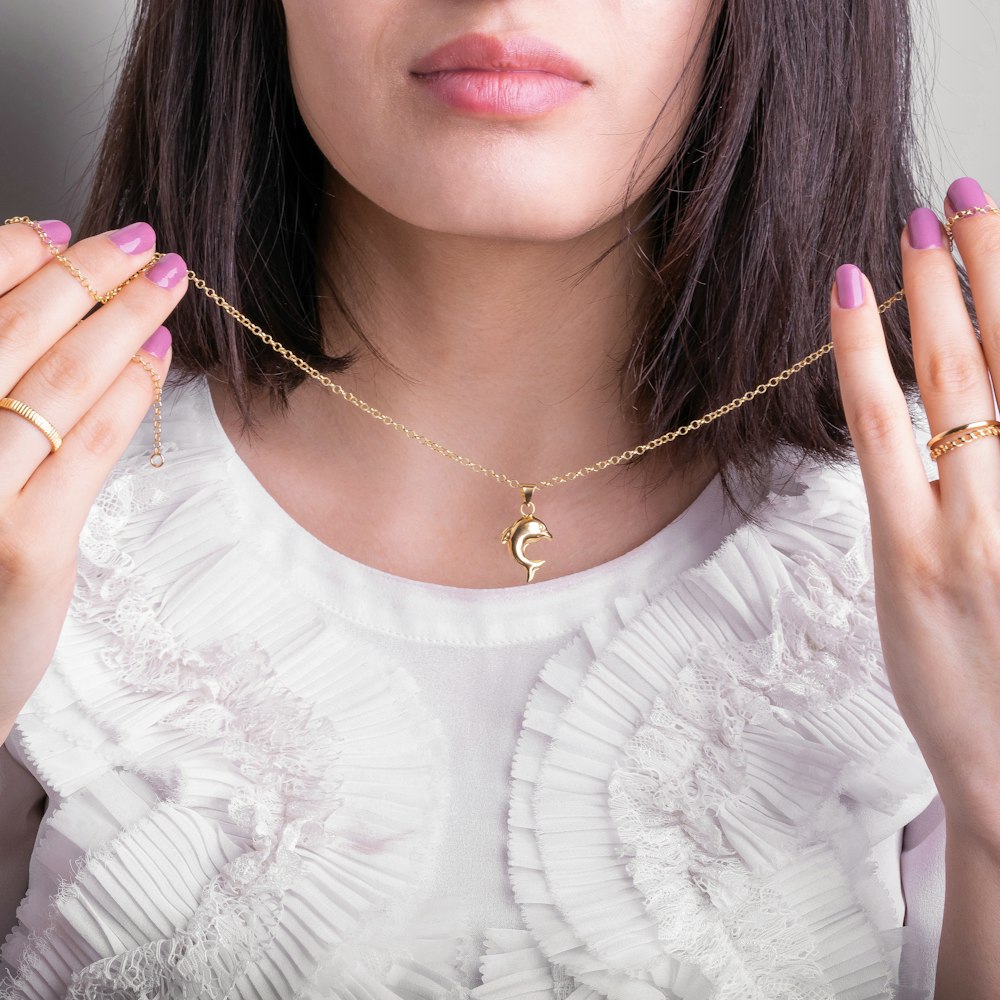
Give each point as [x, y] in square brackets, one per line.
[58, 62]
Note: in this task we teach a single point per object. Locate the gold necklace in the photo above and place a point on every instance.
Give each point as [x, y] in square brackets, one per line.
[527, 528]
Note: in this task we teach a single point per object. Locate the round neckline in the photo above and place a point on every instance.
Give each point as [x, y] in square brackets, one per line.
[439, 613]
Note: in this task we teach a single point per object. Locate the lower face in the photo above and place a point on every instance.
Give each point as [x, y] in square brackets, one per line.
[501, 140]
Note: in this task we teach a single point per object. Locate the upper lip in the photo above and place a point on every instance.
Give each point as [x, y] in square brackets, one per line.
[487, 52]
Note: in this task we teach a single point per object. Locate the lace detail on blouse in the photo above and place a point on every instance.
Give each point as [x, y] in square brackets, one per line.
[227, 695]
[698, 781]
[695, 798]
[696, 792]
[234, 737]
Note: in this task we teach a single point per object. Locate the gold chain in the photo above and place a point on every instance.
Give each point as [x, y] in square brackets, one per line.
[528, 526]
[476, 466]
[384, 418]
[568, 477]
[964, 214]
[156, 458]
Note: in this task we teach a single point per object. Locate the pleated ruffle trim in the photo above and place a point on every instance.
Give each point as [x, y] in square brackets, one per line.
[214, 832]
[699, 778]
[696, 789]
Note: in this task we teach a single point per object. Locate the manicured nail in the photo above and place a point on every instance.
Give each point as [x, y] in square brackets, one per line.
[167, 271]
[924, 229]
[57, 231]
[850, 287]
[159, 343]
[136, 238]
[966, 193]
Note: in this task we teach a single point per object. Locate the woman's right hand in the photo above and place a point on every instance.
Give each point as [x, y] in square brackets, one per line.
[76, 373]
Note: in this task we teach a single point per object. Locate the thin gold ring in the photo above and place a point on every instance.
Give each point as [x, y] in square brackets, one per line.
[23, 410]
[974, 431]
[956, 442]
[964, 427]
[965, 214]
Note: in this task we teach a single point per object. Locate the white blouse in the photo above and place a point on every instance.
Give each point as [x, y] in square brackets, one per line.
[275, 772]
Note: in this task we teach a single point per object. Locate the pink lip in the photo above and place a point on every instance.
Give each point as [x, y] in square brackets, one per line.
[513, 78]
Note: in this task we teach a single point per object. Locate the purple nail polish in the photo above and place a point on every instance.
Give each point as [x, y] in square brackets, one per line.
[168, 270]
[966, 193]
[159, 343]
[850, 287]
[136, 238]
[57, 231]
[924, 229]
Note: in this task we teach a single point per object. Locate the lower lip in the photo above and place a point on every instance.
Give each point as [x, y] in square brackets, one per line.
[502, 94]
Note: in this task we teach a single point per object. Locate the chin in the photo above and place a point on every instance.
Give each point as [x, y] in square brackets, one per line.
[527, 206]
[504, 220]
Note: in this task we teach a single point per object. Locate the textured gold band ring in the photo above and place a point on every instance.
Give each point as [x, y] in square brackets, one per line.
[974, 431]
[23, 410]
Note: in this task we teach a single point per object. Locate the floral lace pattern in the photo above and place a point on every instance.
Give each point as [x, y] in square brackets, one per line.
[278, 762]
[696, 797]
[697, 783]
[691, 785]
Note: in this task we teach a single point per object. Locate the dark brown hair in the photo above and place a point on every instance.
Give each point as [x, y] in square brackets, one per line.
[800, 155]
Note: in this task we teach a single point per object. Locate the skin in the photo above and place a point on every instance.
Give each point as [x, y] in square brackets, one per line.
[470, 231]
[467, 231]
[76, 372]
[79, 375]
[937, 569]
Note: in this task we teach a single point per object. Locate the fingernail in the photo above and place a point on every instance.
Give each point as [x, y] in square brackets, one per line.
[159, 343]
[923, 229]
[136, 238]
[966, 193]
[850, 287]
[167, 271]
[57, 231]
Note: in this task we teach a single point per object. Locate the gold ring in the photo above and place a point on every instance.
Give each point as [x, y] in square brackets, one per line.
[23, 410]
[964, 214]
[963, 427]
[974, 431]
[954, 443]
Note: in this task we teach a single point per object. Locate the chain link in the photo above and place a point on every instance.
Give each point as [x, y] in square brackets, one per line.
[964, 214]
[73, 269]
[156, 458]
[951, 443]
[569, 477]
[384, 418]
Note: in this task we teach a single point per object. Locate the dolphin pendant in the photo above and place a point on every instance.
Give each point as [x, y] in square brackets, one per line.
[523, 532]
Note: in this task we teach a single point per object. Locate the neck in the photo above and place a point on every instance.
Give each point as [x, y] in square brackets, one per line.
[504, 352]
[482, 344]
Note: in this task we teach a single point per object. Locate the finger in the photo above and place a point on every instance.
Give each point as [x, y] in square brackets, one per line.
[66, 382]
[22, 252]
[951, 368]
[978, 240]
[899, 497]
[37, 313]
[64, 486]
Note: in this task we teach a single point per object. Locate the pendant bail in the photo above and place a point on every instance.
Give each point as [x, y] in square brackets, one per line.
[527, 492]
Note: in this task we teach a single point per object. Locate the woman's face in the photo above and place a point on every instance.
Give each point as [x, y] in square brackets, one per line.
[537, 150]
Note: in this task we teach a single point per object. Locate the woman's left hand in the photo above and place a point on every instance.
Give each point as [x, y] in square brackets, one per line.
[936, 545]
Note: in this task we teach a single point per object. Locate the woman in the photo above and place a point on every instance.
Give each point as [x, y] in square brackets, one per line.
[284, 715]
